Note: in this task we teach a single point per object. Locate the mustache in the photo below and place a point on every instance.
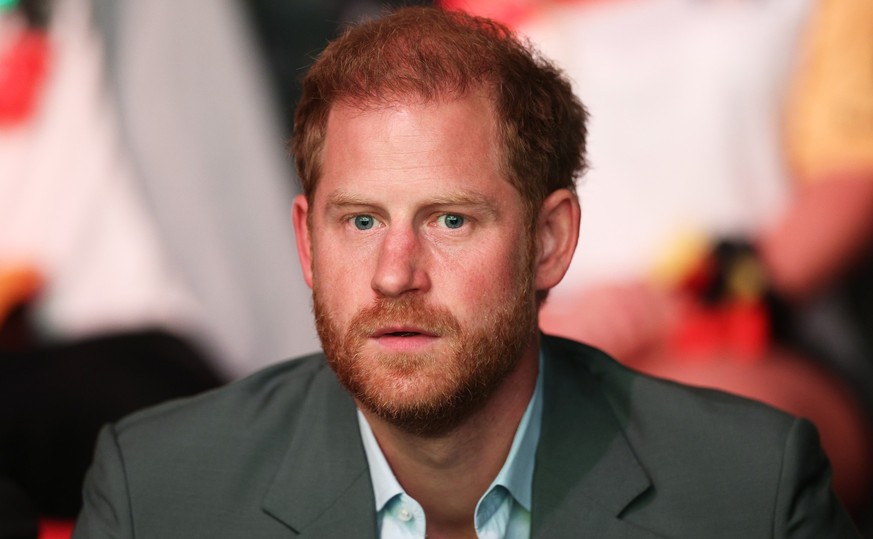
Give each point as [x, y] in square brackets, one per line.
[405, 311]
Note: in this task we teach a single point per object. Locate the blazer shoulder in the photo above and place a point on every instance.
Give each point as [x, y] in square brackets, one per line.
[631, 392]
[686, 429]
[264, 395]
[174, 467]
[709, 456]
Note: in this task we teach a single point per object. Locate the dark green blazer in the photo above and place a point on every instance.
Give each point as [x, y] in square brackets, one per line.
[621, 455]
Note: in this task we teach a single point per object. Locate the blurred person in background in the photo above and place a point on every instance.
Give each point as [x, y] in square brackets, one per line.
[144, 227]
[730, 197]
[291, 34]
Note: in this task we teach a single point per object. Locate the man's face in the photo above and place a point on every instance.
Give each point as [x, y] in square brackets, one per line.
[420, 260]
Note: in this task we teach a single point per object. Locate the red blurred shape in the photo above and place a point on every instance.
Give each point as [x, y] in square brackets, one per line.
[23, 68]
[55, 529]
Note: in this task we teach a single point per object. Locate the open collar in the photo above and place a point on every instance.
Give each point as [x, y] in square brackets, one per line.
[585, 475]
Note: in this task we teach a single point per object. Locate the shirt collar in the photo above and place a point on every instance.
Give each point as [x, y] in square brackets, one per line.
[516, 475]
[385, 485]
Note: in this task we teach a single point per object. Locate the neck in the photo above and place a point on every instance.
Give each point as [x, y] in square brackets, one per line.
[448, 474]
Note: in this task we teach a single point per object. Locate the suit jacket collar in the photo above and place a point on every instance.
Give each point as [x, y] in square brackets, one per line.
[586, 472]
[323, 488]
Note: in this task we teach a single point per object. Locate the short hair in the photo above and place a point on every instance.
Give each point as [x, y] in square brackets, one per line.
[429, 54]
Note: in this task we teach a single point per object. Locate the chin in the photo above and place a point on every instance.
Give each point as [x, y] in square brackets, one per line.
[430, 400]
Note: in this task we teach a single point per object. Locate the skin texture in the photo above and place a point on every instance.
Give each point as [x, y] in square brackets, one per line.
[411, 167]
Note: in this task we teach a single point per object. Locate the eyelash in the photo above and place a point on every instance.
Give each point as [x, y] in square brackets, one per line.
[463, 221]
[373, 221]
[444, 217]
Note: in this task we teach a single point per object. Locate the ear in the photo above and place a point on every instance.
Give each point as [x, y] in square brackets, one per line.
[557, 235]
[300, 214]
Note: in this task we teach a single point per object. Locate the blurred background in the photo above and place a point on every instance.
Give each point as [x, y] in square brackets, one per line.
[727, 217]
[146, 249]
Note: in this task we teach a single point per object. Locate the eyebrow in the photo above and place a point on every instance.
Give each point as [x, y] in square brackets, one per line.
[340, 199]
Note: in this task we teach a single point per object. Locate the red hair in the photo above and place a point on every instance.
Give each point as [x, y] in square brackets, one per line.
[428, 54]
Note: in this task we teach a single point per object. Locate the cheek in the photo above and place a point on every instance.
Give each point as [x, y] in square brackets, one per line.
[482, 278]
[342, 282]
[340, 259]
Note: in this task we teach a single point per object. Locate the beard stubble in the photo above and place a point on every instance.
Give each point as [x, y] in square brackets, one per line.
[430, 393]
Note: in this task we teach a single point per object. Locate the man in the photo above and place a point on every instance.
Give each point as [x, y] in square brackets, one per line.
[437, 156]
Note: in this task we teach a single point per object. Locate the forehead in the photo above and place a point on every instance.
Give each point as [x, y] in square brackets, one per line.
[412, 147]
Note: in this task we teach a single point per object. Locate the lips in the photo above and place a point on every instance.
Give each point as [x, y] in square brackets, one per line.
[402, 331]
[404, 339]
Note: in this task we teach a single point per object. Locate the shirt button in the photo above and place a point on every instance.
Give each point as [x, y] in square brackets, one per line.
[404, 514]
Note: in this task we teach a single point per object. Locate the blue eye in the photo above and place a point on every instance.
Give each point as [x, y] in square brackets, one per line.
[364, 222]
[451, 220]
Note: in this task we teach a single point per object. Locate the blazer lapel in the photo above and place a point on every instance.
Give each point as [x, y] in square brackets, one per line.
[586, 472]
[323, 487]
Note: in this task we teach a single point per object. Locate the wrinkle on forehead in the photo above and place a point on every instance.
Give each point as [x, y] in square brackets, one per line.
[428, 151]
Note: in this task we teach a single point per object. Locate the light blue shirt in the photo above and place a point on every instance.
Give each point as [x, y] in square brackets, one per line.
[503, 512]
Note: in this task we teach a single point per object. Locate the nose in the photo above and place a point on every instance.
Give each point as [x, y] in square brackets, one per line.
[400, 266]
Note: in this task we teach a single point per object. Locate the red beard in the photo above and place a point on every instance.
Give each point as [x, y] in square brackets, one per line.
[430, 393]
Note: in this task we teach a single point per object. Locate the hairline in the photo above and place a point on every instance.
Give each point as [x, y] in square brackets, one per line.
[484, 88]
